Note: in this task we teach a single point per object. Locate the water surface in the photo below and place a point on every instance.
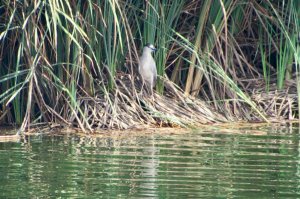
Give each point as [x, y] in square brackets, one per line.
[260, 162]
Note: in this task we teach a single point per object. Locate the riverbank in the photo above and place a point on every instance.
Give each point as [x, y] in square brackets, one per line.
[132, 110]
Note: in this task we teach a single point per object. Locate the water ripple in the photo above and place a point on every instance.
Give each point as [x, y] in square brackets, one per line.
[190, 165]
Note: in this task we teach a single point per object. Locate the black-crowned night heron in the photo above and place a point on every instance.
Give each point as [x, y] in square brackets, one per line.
[147, 67]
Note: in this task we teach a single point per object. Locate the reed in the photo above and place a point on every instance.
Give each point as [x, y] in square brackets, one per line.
[75, 62]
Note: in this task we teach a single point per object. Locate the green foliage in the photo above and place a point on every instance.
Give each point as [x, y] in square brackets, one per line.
[55, 53]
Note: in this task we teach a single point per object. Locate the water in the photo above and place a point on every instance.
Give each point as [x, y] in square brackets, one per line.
[260, 162]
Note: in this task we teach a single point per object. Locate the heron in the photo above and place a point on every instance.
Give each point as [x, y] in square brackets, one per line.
[147, 67]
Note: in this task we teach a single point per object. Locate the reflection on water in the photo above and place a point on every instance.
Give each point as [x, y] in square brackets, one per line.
[245, 163]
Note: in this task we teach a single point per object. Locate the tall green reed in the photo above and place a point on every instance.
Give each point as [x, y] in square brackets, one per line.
[55, 52]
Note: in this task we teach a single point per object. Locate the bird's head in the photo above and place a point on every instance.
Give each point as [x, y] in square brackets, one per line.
[150, 46]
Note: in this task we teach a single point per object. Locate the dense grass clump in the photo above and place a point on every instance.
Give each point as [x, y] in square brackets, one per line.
[75, 62]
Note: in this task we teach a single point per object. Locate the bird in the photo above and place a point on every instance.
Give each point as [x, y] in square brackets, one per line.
[147, 67]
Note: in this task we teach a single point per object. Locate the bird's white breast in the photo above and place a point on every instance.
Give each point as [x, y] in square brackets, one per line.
[147, 64]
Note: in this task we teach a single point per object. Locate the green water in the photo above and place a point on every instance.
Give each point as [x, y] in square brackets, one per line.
[250, 163]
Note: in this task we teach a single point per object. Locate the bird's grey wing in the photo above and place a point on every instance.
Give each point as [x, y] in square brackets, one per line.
[154, 72]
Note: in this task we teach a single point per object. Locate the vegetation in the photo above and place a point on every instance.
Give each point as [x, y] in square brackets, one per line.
[75, 62]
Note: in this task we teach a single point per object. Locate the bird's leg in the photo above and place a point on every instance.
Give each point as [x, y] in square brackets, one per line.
[151, 92]
[146, 90]
[152, 95]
